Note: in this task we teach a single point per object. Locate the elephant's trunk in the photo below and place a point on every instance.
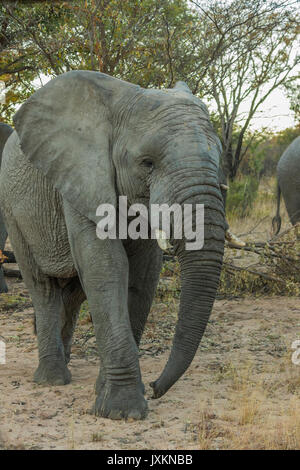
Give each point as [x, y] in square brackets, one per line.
[200, 272]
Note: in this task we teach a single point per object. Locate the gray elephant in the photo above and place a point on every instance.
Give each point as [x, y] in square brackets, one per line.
[83, 140]
[5, 131]
[288, 183]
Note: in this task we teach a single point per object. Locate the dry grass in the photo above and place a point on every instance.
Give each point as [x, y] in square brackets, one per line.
[266, 432]
[251, 420]
[97, 437]
[264, 209]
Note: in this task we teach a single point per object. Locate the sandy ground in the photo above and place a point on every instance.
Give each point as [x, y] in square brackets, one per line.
[242, 390]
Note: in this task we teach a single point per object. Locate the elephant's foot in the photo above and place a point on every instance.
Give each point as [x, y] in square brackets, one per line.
[3, 287]
[100, 384]
[117, 402]
[52, 371]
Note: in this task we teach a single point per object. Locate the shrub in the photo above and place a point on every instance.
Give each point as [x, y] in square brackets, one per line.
[241, 196]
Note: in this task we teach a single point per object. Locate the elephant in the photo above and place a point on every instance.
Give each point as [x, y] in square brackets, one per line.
[82, 141]
[288, 183]
[5, 131]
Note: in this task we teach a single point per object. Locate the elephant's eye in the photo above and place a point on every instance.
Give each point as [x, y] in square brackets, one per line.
[148, 163]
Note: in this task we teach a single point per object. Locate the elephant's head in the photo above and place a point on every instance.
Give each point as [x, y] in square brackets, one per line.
[96, 138]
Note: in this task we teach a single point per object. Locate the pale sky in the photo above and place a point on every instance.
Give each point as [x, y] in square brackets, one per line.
[274, 113]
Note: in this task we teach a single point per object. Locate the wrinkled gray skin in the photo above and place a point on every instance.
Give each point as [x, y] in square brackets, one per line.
[288, 183]
[87, 138]
[5, 131]
[223, 183]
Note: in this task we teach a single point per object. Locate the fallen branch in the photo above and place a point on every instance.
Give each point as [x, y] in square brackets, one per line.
[12, 273]
[256, 273]
[253, 228]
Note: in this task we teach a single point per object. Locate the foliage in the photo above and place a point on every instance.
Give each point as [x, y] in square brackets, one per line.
[241, 196]
[225, 58]
[128, 39]
[264, 151]
[293, 93]
[30, 45]
[253, 55]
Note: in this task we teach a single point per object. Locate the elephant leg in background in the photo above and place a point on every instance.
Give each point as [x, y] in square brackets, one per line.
[292, 203]
[72, 296]
[47, 299]
[145, 260]
[102, 267]
[3, 238]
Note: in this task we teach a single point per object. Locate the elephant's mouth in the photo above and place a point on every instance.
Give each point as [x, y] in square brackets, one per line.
[163, 240]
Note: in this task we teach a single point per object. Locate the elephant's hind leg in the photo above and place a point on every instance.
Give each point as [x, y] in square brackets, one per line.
[73, 296]
[145, 260]
[47, 298]
[3, 237]
[48, 304]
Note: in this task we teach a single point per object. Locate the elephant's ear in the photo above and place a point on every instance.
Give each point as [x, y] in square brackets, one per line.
[65, 131]
[182, 86]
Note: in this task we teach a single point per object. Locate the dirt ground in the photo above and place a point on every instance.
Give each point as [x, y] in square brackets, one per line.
[242, 390]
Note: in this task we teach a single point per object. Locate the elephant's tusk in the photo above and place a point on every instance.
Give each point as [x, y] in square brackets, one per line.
[224, 186]
[234, 240]
[162, 240]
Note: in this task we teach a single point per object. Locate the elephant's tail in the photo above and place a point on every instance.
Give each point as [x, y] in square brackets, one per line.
[276, 221]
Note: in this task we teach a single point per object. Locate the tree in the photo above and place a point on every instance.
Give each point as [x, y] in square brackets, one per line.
[253, 54]
[30, 45]
[128, 39]
[293, 93]
[225, 57]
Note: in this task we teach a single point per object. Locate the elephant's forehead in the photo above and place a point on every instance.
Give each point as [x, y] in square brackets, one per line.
[154, 99]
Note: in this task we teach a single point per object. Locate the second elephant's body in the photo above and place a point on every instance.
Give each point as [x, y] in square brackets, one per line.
[288, 177]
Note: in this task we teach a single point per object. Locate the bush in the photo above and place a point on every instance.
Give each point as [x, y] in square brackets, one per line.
[241, 196]
[275, 272]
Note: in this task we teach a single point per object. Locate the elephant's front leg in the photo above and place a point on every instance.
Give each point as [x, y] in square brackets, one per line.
[145, 259]
[102, 266]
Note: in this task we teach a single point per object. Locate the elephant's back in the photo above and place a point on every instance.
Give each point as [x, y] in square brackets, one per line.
[20, 181]
[289, 162]
[5, 132]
